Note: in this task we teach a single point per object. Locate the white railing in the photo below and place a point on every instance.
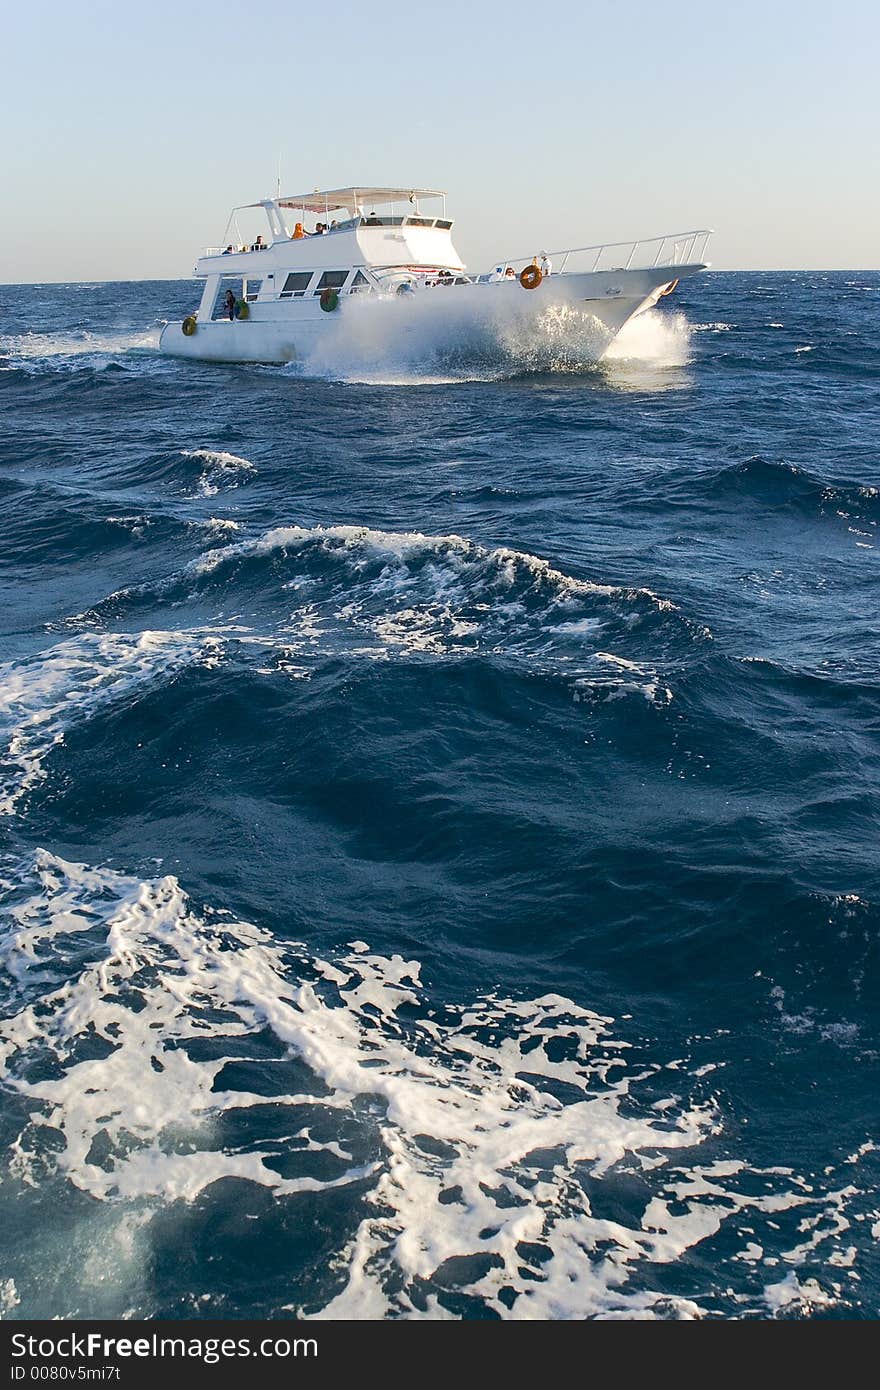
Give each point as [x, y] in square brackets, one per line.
[236, 250]
[645, 253]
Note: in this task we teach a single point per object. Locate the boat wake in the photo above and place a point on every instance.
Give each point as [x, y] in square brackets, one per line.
[500, 1156]
[76, 349]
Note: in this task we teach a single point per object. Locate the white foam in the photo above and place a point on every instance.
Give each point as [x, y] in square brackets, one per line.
[218, 458]
[791, 1295]
[654, 338]
[447, 335]
[9, 1297]
[461, 558]
[626, 677]
[484, 1165]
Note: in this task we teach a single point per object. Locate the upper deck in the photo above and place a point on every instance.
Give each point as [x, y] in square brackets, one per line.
[303, 231]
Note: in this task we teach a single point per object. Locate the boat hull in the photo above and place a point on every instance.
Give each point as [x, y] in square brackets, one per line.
[288, 331]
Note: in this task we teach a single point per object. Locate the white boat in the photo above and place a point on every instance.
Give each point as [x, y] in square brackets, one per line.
[271, 300]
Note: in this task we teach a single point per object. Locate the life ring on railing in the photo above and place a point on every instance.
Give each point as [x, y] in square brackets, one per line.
[531, 277]
[241, 309]
[329, 299]
[668, 290]
[189, 325]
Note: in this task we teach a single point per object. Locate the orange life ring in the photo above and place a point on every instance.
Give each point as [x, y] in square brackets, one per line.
[668, 290]
[531, 277]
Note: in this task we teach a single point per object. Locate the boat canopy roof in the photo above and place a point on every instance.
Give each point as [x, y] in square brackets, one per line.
[333, 198]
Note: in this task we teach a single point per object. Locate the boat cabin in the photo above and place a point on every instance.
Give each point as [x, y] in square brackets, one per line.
[345, 239]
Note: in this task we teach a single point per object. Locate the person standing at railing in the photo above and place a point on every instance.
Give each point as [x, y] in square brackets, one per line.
[546, 264]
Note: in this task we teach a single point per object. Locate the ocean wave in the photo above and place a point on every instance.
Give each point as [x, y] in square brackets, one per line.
[40, 698]
[356, 591]
[198, 471]
[504, 1156]
[772, 484]
[218, 469]
[54, 528]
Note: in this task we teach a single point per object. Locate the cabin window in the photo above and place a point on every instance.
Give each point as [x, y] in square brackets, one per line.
[442, 222]
[332, 280]
[360, 282]
[253, 289]
[296, 284]
[420, 221]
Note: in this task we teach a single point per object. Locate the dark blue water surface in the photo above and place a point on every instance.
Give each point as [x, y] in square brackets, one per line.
[440, 811]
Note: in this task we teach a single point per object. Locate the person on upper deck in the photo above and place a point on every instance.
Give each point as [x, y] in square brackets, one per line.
[509, 273]
[297, 234]
[546, 264]
[259, 244]
[229, 250]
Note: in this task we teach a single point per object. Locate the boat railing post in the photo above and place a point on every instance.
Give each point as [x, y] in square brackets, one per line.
[629, 258]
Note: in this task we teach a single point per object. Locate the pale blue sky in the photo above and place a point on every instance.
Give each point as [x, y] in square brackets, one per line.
[129, 130]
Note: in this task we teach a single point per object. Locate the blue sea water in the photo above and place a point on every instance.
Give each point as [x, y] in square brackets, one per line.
[440, 803]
